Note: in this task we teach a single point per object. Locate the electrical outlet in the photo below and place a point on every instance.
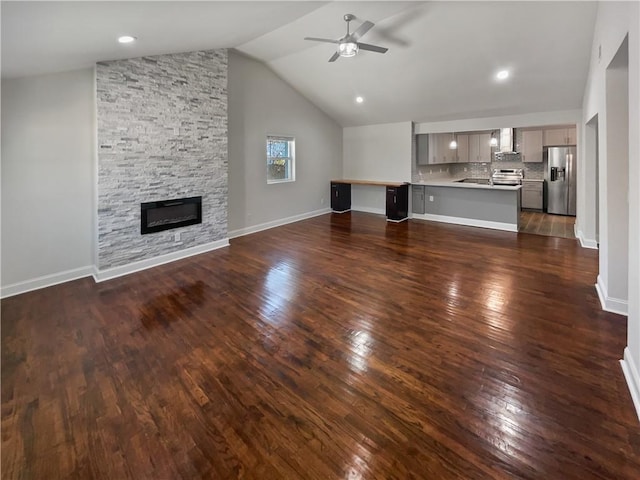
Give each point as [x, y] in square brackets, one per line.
[431, 198]
[322, 201]
[176, 236]
[465, 169]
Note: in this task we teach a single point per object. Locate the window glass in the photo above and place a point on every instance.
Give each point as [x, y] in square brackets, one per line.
[280, 159]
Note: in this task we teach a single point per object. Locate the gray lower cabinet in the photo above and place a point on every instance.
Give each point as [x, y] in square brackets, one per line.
[532, 195]
[417, 198]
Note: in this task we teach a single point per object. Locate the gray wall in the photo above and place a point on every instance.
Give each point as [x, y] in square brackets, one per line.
[47, 175]
[490, 205]
[162, 134]
[49, 166]
[261, 103]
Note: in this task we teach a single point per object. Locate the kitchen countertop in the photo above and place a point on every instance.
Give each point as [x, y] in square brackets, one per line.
[451, 182]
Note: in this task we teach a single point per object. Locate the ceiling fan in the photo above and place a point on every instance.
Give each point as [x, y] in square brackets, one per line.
[348, 45]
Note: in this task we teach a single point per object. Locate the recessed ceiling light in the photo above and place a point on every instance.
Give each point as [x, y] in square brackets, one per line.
[126, 39]
[359, 99]
[502, 75]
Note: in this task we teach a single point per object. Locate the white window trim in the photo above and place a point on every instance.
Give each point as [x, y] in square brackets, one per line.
[292, 140]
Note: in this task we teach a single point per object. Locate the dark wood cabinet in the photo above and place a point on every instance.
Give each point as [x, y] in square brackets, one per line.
[397, 203]
[340, 197]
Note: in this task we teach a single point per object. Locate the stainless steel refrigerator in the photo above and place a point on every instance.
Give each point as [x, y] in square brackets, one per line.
[561, 180]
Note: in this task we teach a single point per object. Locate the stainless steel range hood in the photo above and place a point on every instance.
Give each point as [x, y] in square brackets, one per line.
[507, 140]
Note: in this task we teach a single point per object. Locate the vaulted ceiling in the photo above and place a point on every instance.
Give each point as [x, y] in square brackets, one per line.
[441, 62]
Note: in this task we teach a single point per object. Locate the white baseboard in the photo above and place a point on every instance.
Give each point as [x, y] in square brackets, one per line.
[379, 211]
[632, 377]
[109, 273]
[276, 223]
[610, 304]
[469, 222]
[584, 242]
[45, 281]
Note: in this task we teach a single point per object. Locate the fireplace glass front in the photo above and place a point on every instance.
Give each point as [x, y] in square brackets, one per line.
[168, 214]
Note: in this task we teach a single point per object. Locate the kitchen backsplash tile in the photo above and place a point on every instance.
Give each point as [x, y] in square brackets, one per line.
[432, 172]
[479, 170]
[475, 170]
[510, 157]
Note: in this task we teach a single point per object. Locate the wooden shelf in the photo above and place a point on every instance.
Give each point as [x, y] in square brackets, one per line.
[371, 182]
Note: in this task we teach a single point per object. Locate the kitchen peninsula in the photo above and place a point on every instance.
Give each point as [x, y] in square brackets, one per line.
[465, 202]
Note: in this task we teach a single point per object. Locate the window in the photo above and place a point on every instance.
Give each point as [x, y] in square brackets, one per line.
[280, 159]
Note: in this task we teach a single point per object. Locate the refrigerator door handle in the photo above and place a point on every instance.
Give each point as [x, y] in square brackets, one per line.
[568, 181]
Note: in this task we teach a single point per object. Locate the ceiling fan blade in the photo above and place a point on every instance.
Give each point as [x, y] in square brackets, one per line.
[372, 48]
[362, 29]
[325, 40]
[334, 57]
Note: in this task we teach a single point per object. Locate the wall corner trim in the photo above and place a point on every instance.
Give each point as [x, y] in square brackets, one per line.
[46, 281]
[631, 375]
[610, 304]
[110, 273]
[239, 232]
[584, 242]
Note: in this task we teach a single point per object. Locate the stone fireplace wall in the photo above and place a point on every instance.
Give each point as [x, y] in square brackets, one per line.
[162, 134]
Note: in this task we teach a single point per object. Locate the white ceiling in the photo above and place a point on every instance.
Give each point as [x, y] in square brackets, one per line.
[440, 65]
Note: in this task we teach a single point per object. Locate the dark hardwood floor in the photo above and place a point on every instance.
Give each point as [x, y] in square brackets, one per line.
[342, 346]
[547, 224]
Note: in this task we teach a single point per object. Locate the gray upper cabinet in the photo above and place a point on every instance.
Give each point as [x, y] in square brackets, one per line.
[422, 149]
[439, 148]
[463, 147]
[554, 136]
[480, 147]
[531, 147]
[434, 148]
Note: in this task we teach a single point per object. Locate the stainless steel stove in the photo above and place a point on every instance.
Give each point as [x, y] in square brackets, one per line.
[507, 176]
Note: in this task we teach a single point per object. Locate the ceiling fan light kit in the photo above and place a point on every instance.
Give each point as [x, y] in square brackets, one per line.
[348, 46]
[347, 49]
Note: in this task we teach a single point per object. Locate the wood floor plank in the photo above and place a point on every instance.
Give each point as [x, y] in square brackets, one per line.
[342, 346]
[547, 224]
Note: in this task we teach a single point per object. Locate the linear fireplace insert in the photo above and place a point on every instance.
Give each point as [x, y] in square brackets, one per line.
[167, 214]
